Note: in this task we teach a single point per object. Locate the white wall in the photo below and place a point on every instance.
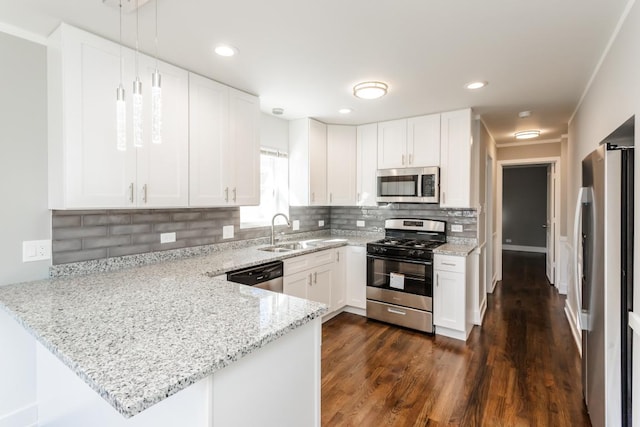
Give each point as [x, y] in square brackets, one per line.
[24, 214]
[274, 132]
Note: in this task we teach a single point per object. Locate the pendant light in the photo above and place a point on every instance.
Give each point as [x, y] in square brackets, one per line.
[156, 96]
[121, 106]
[137, 94]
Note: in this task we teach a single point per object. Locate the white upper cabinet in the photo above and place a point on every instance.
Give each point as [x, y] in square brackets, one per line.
[163, 169]
[407, 143]
[85, 168]
[366, 164]
[224, 147]
[423, 141]
[392, 144]
[307, 163]
[208, 130]
[244, 140]
[341, 165]
[455, 159]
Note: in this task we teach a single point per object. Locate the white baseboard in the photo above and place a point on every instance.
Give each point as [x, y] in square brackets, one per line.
[23, 417]
[355, 310]
[494, 282]
[571, 318]
[478, 315]
[520, 248]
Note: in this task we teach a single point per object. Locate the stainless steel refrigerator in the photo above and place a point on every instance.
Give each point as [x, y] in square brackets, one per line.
[606, 273]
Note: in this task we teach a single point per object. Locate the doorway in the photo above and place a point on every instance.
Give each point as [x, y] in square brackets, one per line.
[547, 224]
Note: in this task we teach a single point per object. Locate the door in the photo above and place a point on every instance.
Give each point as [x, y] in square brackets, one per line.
[366, 164]
[341, 165]
[392, 144]
[550, 225]
[448, 292]
[296, 284]
[455, 159]
[339, 279]
[208, 145]
[317, 163]
[321, 283]
[423, 141]
[244, 138]
[357, 276]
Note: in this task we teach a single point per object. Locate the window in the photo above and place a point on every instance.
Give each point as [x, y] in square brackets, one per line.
[274, 190]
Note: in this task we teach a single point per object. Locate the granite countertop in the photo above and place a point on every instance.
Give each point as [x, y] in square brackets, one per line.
[455, 249]
[139, 335]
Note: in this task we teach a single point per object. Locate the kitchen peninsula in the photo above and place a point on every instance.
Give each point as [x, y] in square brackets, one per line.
[167, 344]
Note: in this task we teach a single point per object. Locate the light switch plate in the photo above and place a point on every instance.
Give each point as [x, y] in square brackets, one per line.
[457, 228]
[296, 224]
[227, 232]
[359, 223]
[168, 237]
[36, 250]
[321, 223]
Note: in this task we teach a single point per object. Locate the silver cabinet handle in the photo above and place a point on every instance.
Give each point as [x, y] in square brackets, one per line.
[131, 192]
[144, 193]
[310, 281]
[437, 280]
[443, 198]
[403, 159]
[330, 197]
[410, 160]
[234, 194]
[449, 263]
[358, 197]
[313, 196]
[338, 255]
[315, 277]
[391, 310]
[226, 194]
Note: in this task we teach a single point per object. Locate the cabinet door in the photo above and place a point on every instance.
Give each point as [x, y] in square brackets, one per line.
[208, 144]
[423, 141]
[317, 163]
[163, 169]
[356, 277]
[392, 144]
[321, 283]
[341, 165]
[455, 159]
[244, 137]
[449, 298]
[297, 284]
[366, 164]
[339, 281]
[85, 168]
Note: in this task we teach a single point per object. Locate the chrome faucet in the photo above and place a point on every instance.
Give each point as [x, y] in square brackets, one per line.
[273, 235]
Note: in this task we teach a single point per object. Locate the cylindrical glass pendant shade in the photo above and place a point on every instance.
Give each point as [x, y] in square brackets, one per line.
[156, 108]
[137, 113]
[121, 120]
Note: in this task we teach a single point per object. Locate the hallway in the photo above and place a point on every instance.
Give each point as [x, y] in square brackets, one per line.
[521, 369]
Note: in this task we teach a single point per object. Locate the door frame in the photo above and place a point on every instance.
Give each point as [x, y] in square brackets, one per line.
[499, 201]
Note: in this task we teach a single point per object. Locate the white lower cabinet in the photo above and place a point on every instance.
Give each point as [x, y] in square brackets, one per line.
[451, 308]
[310, 276]
[339, 281]
[356, 277]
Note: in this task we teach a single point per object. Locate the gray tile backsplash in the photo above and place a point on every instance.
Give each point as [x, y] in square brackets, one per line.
[101, 234]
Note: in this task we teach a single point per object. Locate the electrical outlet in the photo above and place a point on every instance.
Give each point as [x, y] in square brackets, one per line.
[359, 223]
[507, 240]
[321, 223]
[36, 250]
[168, 237]
[296, 225]
[457, 228]
[227, 232]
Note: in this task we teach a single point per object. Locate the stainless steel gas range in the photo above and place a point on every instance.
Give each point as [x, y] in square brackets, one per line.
[400, 272]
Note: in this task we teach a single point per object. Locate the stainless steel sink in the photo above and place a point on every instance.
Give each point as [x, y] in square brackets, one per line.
[290, 246]
[274, 249]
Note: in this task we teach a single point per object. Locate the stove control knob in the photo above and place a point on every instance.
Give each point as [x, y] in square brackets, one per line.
[419, 253]
[412, 253]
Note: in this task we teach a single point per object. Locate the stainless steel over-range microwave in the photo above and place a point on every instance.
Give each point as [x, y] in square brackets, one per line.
[409, 185]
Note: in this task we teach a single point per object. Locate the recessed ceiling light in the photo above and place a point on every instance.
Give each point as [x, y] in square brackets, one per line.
[370, 90]
[226, 50]
[527, 134]
[345, 110]
[475, 85]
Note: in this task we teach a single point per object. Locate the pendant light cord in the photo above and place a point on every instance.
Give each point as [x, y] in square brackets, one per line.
[156, 40]
[120, 36]
[137, 35]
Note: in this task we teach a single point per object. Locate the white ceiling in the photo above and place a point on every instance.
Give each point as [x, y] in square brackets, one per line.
[305, 56]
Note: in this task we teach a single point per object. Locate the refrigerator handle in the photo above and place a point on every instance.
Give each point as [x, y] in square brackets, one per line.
[577, 233]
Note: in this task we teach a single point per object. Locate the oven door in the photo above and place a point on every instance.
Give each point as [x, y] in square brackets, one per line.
[399, 275]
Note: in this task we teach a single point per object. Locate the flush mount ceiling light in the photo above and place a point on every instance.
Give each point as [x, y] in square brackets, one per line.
[345, 110]
[475, 85]
[225, 50]
[370, 90]
[277, 111]
[527, 134]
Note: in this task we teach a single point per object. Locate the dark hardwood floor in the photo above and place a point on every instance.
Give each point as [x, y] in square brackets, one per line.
[521, 369]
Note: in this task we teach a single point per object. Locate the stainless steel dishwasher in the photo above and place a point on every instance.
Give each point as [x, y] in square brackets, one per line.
[264, 276]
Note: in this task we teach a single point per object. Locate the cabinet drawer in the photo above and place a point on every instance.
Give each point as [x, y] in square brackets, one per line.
[455, 264]
[403, 316]
[305, 262]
